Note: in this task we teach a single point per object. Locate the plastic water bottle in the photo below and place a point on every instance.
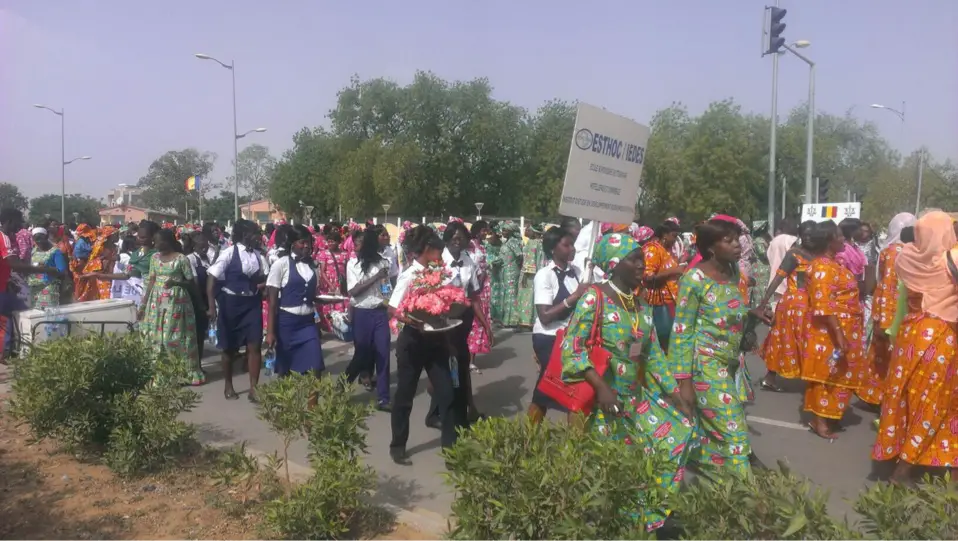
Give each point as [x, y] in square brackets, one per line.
[211, 334]
[386, 288]
[454, 372]
[270, 363]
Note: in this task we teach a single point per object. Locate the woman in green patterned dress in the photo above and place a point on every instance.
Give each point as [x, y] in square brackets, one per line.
[532, 257]
[760, 267]
[511, 255]
[45, 288]
[704, 347]
[167, 310]
[638, 399]
[493, 245]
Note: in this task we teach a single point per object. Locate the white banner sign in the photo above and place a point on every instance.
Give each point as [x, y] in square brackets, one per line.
[836, 212]
[605, 166]
[131, 289]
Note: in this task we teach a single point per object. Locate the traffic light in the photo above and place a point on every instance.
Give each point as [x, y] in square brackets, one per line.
[822, 190]
[775, 29]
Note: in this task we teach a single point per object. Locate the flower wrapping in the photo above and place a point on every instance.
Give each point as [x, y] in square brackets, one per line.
[429, 301]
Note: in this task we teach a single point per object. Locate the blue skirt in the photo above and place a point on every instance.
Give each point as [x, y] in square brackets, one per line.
[239, 321]
[297, 344]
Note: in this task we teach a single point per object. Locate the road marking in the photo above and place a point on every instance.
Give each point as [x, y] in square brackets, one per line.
[773, 422]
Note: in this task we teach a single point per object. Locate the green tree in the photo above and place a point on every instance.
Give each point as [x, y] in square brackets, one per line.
[306, 174]
[48, 206]
[256, 168]
[164, 185]
[12, 197]
[551, 136]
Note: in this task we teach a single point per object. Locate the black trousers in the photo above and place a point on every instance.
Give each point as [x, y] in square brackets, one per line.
[459, 341]
[417, 351]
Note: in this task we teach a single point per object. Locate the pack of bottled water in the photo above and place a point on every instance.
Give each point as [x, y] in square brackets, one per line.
[56, 328]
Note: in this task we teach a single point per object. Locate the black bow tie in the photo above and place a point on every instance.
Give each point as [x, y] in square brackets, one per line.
[305, 259]
[456, 263]
[568, 273]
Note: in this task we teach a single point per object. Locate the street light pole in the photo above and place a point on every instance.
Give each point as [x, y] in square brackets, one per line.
[236, 138]
[901, 115]
[63, 160]
[810, 139]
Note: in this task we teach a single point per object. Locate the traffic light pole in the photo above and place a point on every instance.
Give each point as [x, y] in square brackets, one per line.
[810, 142]
[772, 142]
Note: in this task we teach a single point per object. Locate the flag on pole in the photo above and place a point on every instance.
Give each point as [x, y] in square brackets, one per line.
[193, 183]
[830, 211]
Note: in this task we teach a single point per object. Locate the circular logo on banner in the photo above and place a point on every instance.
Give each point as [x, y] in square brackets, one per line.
[583, 139]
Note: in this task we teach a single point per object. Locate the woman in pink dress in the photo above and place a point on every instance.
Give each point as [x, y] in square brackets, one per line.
[479, 340]
[332, 274]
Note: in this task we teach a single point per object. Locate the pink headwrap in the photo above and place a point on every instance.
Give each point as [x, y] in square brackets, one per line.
[641, 233]
[852, 258]
[454, 219]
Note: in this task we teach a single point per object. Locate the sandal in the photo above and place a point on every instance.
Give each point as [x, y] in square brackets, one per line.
[830, 436]
[766, 386]
[230, 395]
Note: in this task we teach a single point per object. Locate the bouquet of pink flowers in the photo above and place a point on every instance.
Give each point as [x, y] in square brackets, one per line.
[431, 302]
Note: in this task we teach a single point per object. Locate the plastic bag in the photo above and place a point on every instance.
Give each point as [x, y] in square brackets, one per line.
[341, 326]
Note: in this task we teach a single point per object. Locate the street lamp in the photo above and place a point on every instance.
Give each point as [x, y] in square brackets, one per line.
[63, 164]
[307, 213]
[236, 136]
[901, 115]
[68, 162]
[386, 213]
[257, 130]
[479, 211]
[810, 139]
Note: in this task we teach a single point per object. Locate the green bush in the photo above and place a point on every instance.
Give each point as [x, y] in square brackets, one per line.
[327, 505]
[771, 504]
[926, 510]
[113, 396]
[65, 389]
[517, 480]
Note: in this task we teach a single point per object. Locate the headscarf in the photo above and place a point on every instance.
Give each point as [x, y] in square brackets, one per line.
[899, 222]
[611, 249]
[508, 226]
[454, 219]
[94, 262]
[86, 232]
[922, 265]
[38, 231]
[744, 240]
[641, 233]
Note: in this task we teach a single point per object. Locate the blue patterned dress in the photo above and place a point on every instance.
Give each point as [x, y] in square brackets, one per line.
[709, 321]
[649, 420]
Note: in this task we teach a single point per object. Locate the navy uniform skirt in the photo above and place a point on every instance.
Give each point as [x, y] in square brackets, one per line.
[239, 321]
[298, 348]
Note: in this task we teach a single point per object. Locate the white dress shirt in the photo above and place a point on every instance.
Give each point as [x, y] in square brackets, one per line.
[389, 253]
[279, 277]
[464, 276]
[776, 253]
[545, 287]
[373, 296]
[402, 283]
[252, 262]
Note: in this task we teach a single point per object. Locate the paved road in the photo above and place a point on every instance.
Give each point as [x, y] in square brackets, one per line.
[504, 388]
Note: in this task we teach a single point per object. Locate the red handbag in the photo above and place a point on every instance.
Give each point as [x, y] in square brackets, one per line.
[576, 396]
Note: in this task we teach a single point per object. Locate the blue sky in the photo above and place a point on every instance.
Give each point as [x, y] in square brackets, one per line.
[125, 74]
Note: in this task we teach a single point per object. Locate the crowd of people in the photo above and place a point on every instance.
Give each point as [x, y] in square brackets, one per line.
[675, 314]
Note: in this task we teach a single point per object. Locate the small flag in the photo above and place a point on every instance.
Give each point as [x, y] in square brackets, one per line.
[193, 183]
[830, 211]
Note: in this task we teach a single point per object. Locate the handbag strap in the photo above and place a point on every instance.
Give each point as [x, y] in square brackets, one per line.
[595, 334]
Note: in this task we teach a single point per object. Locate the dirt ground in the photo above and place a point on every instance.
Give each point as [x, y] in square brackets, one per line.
[46, 494]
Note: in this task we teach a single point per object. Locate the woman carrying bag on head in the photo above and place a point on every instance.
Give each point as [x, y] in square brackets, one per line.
[637, 399]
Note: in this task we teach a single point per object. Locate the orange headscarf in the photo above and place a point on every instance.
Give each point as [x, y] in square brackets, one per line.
[922, 265]
[87, 232]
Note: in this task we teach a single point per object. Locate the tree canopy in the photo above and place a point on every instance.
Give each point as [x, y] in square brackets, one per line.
[12, 197]
[48, 206]
[435, 148]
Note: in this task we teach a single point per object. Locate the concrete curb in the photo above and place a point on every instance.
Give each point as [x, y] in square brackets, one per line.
[427, 522]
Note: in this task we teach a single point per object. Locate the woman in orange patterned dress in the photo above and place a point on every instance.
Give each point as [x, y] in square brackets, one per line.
[782, 349]
[662, 272]
[833, 363]
[919, 418]
[884, 304]
[88, 286]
